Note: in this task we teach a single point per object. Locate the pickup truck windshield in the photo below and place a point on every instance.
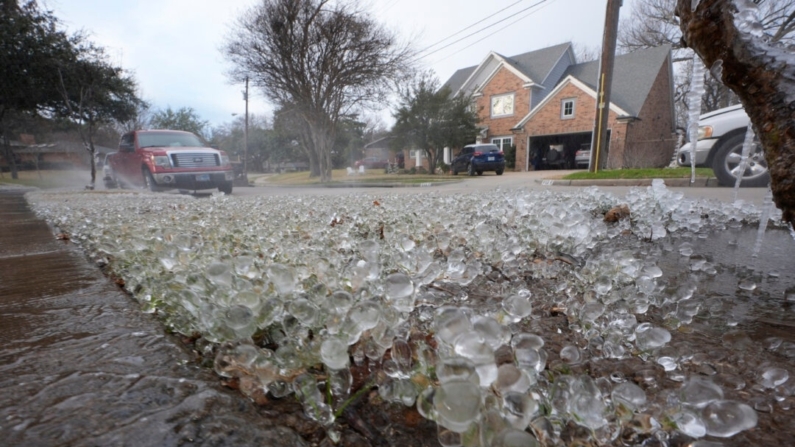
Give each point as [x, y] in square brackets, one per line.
[168, 139]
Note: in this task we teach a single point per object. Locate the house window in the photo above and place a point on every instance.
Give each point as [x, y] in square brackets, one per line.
[502, 105]
[413, 153]
[567, 109]
[503, 143]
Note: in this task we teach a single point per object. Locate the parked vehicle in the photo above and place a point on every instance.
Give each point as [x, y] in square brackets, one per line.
[478, 158]
[169, 159]
[555, 158]
[582, 158]
[720, 144]
[372, 163]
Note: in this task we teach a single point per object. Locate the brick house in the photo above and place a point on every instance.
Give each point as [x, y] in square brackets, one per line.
[544, 99]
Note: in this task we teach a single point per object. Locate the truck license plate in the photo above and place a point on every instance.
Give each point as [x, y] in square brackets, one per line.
[491, 158]
[203, 178]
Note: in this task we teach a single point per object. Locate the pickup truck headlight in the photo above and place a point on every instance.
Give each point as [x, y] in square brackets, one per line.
[161, 161]
[224, 160]
[704, 132]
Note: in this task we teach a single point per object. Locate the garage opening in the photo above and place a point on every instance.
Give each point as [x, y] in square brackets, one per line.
[560, 151]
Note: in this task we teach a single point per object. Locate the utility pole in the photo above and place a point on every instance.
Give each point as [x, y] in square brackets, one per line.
[599, 140]
[245, 137]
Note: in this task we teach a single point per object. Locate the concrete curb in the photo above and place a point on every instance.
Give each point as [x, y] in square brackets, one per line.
[700, 182]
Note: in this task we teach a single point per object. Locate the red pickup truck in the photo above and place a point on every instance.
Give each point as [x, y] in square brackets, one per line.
[169, 159]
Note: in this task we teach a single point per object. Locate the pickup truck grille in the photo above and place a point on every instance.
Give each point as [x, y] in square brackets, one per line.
[195, 160]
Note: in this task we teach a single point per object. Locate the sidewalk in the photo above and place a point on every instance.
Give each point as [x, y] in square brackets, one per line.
[700, 182]
[81, 365]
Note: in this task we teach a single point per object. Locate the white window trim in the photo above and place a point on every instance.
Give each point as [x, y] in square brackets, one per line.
[563, 102]
[413, 153]
[506, 95]
[501, 140]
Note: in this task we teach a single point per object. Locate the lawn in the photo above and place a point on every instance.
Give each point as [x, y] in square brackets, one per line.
[639, 174]
[340, 176]
[47, 179]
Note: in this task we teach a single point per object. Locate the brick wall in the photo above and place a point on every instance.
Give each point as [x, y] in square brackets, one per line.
[651, 140]
[547, 121]
[504, 81]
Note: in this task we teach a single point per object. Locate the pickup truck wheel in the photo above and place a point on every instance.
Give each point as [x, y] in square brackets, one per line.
[149, 181]
[226, 188]
[471, 170]
[499, 171]
[726, 164]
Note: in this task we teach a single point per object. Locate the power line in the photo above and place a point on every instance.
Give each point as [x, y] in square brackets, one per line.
[468, 27]
[388, 7]
[482, 29]
[495, 32]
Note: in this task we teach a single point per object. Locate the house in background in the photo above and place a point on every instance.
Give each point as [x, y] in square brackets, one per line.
[544, 99]
[61, 154]
[382, 149]
[379, 149]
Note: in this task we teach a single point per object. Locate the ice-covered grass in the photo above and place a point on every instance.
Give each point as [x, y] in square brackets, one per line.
[432, 294]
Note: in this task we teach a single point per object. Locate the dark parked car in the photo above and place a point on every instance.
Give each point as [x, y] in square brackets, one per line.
[372, 163]
[478, 158]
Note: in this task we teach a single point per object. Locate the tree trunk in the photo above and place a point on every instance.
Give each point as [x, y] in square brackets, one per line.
[760, 75]
[8, 153]
[432, 160]
[314, 163]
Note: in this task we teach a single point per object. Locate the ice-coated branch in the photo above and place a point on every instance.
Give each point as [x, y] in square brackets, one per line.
[759, 71]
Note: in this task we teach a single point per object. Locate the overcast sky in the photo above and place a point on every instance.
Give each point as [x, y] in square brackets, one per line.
[172, 46]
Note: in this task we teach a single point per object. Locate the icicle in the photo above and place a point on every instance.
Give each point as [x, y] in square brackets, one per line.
[767, 206]
[747, 144]
[694, 110]
[717, 70]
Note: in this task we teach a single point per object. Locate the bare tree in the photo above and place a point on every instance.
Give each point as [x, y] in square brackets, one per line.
[325, 59]
[651, 23]
[586, 53]
[755, 66]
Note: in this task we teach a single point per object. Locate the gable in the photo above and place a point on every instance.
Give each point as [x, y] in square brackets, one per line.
[553, 97]
[484, 73]
[633, 76]
[534, 68]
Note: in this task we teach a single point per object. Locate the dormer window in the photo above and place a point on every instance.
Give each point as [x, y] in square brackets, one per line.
[502, 105]
[567, 108]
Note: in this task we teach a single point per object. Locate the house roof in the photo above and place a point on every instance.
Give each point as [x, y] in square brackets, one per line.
[60, 147]
[569, 79]
[633, 76]
[381, 143]
[535, 65]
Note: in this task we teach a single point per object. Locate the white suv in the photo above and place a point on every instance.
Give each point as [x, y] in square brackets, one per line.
[720, 144]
